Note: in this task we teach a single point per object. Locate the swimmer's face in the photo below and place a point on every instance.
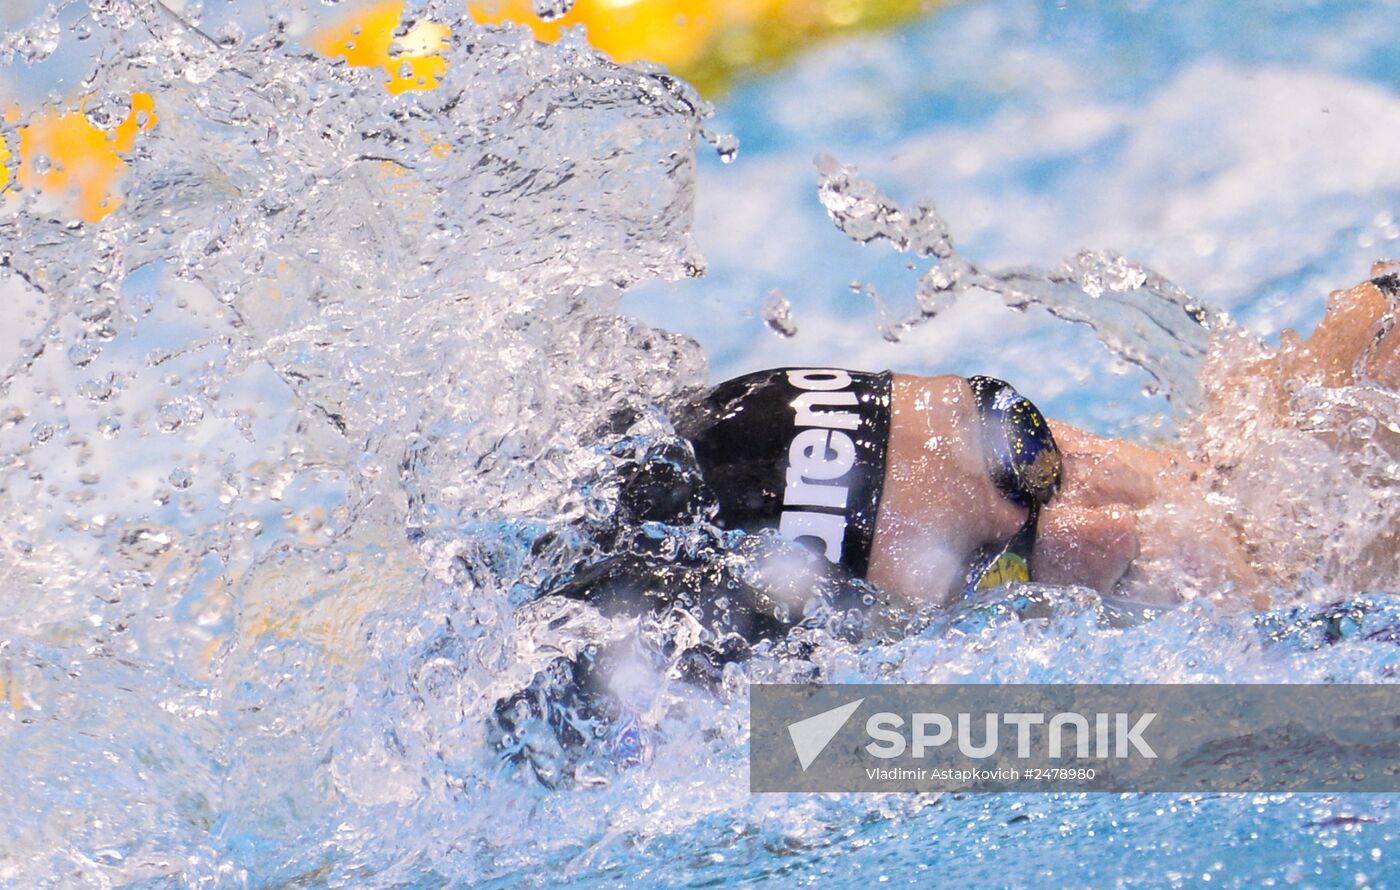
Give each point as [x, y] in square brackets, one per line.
[939, 506]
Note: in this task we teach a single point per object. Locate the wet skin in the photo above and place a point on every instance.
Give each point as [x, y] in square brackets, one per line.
[939, 504]
[1121, 508]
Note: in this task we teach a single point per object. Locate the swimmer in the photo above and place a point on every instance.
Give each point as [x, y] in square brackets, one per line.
[924, 490]
[934, 488]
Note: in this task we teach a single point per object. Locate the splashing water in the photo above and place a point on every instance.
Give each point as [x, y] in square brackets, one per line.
[1313, 484]
[1137, 314]
[292, 438]
[317, 390]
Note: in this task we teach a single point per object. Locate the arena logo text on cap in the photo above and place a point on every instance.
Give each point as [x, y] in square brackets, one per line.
[819, 459]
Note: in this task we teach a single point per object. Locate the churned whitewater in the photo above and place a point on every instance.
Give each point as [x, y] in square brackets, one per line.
[292, 438]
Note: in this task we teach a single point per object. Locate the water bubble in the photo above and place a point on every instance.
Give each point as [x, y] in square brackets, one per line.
[41, 432]
[181, 477]
[109, 427]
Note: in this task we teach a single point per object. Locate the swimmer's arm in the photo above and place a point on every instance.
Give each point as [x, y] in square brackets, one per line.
[1121, 498]
[1357, 336]
[1129, 517]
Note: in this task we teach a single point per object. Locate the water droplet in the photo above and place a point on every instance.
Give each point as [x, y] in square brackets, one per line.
[108, 112]
[229, 34]
[41, 432]
[169, 418]
[777, 314]
[941, 278]
[727, 147]
[82, 353]
[550, 10]
[181, 477]
[109, 427]
[98, 389]
[37, 42]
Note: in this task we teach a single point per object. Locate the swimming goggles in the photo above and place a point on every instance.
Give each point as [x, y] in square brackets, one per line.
[1024, 464]
[1389, 284]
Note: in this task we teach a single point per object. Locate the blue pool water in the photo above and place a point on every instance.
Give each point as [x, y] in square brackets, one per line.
[288, 444]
